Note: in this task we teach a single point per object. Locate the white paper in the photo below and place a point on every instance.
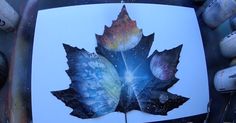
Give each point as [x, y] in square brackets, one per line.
[77, 26]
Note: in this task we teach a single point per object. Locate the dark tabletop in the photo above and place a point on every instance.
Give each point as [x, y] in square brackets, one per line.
[15, 95]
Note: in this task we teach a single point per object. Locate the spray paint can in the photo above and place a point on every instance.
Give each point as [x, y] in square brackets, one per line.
[225, 80]
[218, 11]
[8, 17]
[233, 22]
[228, 45]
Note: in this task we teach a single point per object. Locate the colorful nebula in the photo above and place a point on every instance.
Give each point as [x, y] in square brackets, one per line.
[122, 35]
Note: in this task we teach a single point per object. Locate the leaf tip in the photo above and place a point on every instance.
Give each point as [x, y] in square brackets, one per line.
[54, 93]
[67, 48]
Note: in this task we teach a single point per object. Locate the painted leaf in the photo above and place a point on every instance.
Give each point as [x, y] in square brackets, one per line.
[121, 77]
[95, 87]
[122, 35]
[152, 94]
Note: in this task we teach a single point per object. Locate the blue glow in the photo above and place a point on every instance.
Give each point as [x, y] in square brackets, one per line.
[129, 77]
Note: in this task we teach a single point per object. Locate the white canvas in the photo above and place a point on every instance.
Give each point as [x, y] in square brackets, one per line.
[77, 26]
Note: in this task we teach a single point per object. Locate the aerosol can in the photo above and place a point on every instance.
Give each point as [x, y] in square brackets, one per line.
[218, 11]
[8, 17]
[228, 45]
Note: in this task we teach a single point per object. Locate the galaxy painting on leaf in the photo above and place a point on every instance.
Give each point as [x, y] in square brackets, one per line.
[129, 71]
[121, 76]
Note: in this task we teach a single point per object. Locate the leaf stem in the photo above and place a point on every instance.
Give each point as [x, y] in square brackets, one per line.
[126, 121]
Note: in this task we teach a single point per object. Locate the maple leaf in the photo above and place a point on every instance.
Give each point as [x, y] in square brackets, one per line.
[121, 77]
